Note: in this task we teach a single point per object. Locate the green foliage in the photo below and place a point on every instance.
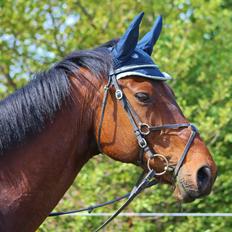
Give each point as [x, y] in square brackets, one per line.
[195, 48]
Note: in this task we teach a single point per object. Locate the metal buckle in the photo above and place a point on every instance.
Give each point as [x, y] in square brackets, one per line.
[166, 167]
[144, 128]
[142, 143]
[118, 94]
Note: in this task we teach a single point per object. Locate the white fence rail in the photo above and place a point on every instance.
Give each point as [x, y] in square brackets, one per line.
[153, 214]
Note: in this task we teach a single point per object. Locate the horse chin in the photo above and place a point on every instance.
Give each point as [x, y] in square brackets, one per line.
[181, 195]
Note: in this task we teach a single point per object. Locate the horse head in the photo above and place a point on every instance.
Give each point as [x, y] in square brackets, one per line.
[140, 121]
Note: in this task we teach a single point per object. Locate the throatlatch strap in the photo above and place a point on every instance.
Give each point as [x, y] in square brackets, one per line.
[104, 102]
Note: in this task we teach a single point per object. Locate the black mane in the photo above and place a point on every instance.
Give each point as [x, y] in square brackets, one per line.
[26, 112]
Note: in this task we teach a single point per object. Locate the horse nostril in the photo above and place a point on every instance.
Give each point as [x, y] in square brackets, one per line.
[204, 178]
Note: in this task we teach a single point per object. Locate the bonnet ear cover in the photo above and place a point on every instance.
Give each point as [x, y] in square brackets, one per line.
[133, 58]
[127, 43]
[149, 40]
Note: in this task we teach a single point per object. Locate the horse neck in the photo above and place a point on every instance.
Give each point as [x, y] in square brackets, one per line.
[34, 177]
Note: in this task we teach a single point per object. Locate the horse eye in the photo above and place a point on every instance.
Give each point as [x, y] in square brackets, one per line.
[142, 97]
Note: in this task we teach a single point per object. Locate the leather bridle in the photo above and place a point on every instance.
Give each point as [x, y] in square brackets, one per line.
[140, 129]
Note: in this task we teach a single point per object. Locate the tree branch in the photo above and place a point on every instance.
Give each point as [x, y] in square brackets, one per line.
[87, 14]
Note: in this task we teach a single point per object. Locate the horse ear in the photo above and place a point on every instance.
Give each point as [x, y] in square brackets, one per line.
[127, 43]
[148, 41]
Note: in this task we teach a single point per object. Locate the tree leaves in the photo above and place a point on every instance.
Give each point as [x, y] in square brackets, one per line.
[195, 48]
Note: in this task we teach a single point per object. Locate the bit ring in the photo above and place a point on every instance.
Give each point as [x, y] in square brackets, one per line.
[165, 161]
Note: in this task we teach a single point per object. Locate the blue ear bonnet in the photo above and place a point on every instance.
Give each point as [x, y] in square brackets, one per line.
[131, 57]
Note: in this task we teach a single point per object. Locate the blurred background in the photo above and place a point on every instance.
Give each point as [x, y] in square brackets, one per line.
[195, 48]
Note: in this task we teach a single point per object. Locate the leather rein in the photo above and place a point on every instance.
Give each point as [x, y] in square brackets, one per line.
[141, 130]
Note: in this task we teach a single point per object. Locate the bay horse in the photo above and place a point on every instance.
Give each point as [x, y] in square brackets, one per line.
[51, 127]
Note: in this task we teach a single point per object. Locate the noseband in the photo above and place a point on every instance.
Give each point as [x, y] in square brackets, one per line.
[142, 130]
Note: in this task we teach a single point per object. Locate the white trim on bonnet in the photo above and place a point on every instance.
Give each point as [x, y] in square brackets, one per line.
[124, 74]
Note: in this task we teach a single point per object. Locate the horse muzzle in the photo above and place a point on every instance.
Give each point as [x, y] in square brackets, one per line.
[190, 187]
